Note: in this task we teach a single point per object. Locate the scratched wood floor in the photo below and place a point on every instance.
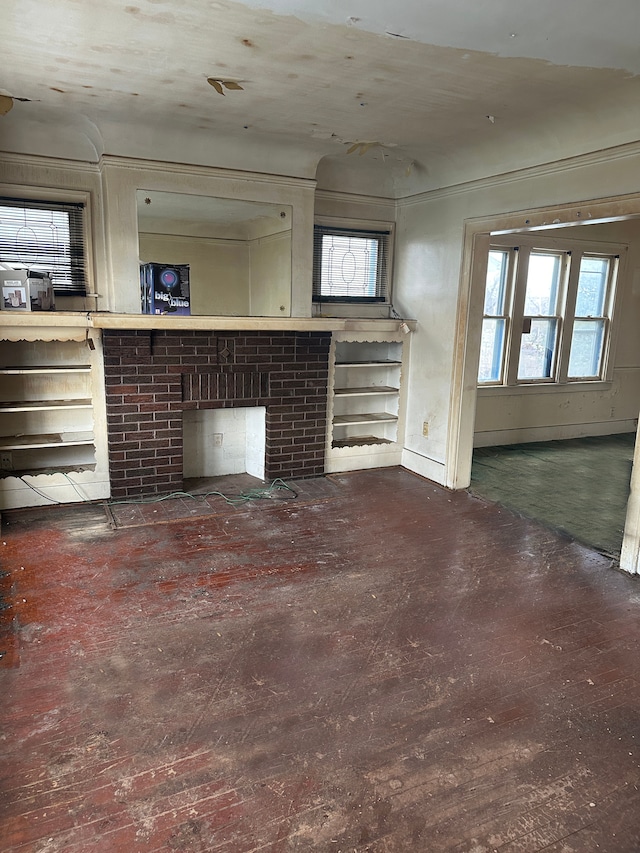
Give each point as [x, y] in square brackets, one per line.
[377, 665]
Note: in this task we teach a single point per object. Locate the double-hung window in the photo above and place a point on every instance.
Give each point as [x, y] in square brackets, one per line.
[496, 319]
[542, 316]
[351, 264]
[591, 319]
[46, 237]
[547, 311]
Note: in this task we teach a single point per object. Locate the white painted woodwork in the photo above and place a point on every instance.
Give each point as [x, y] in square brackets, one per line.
[52, 419]
[73, 326]
[367, 400]
[630, 556]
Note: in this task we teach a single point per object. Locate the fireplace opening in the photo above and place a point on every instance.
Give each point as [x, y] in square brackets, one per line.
[218, 442]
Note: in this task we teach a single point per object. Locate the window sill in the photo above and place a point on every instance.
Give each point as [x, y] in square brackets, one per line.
[377, 310]
[597, 386]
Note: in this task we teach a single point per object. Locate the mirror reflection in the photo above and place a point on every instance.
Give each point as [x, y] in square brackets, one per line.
[238, 252]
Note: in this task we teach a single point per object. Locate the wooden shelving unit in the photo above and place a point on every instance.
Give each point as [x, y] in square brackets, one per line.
[365, 393]
[46, 408]
[365, 403]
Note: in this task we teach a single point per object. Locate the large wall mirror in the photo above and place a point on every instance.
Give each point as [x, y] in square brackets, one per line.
[238, 252]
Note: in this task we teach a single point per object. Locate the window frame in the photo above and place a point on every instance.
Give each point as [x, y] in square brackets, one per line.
[608, 301]
[62, 197]
[508, 274]
[522, 320]
[381, 231]
[523, 246]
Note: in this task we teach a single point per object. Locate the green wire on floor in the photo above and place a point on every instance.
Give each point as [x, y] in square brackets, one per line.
[256, 494]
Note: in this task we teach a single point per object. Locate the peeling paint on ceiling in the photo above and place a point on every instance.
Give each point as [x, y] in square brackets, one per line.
[584, 33]
[318, 78]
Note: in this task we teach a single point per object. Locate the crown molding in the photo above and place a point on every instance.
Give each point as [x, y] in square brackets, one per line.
[11, 158]
[580, 161]
[355, 198]
[193, 170]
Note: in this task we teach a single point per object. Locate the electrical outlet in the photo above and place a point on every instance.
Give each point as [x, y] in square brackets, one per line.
[6, 461]
[425, 429]
[217, 439]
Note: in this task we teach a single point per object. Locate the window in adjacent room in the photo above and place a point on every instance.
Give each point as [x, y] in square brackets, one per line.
[547, 312]
[591, 320]
[541, 317]
[350, 265]
[495, 324]
[46, 237]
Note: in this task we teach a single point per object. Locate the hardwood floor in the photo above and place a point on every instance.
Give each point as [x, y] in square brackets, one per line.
[374, 665]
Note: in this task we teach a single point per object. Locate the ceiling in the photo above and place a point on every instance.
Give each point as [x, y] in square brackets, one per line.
[435, 91]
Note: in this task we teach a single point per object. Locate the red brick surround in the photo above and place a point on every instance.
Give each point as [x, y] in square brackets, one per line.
[152, 377]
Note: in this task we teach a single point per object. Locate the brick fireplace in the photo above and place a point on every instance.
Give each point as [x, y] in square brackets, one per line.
[152, 377]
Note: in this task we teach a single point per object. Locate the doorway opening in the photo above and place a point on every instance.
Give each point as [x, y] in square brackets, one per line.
[537, 412]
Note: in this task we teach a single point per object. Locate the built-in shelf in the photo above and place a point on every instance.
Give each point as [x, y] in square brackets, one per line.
[366, 392]
[36, 472]
[44, 405]
[360, 441]
[369, 363]
[73, 323]
[46, 416]
[32, 442]
[30, 371]
[364, 418]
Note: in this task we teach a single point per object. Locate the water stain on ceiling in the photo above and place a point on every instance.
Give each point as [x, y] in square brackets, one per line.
[439, 88]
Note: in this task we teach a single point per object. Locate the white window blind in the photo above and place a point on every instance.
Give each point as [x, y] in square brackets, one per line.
[47, 237]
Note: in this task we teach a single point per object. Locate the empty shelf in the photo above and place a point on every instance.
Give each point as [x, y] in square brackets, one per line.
[60, 469]
[364, 418]
[359, 440]
[365, 391]
[31, 442]
[22, 371]
[44, 405]
[376, 363]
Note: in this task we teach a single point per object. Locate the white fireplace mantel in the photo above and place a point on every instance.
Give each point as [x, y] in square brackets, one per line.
[61, 324]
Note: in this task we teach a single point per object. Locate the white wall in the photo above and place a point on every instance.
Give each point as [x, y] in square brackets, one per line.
[429, 284]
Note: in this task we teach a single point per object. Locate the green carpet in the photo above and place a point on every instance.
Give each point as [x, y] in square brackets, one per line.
[579, 486]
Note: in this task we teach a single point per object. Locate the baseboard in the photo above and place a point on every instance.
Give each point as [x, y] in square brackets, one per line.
[551, 433]
[424, 466]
